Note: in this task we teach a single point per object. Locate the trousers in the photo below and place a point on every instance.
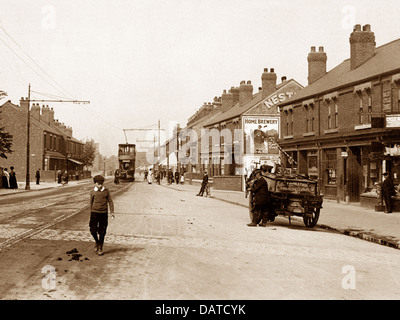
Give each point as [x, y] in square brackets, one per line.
[98, 226]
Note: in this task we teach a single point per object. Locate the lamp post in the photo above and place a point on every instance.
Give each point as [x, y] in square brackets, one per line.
[27, 181]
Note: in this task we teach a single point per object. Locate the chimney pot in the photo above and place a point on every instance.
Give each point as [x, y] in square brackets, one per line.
[265, 69]
[272, 70]
[367, 27]
[283, 78]
[312, 49]
[357, 27]
[321, 49]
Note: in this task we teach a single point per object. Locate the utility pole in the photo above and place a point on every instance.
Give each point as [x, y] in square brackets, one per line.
[149, 141]
[27, 181]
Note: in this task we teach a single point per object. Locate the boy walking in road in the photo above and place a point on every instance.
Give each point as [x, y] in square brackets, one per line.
[100, 199]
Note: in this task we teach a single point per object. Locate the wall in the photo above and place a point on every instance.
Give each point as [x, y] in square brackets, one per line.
[233, 183]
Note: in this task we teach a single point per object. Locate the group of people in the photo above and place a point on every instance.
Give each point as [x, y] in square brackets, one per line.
[9, 179]
[158, 175]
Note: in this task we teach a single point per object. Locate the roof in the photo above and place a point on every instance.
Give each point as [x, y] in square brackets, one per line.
[237, 110]
[385, 59]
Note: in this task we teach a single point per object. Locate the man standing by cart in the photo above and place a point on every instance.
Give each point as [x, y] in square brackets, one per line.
[261, 199]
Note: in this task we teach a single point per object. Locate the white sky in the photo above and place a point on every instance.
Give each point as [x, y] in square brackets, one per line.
[138, 62]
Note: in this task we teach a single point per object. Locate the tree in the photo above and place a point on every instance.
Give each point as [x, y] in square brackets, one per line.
[5, 137]
[89, 153]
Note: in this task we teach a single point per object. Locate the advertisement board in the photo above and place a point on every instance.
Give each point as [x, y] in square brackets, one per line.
[260, 134]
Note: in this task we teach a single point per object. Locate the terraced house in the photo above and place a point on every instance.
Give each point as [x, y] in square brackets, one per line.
[52, 146]
[344, 127]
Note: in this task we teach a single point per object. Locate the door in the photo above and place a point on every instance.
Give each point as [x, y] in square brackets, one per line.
[354, 174]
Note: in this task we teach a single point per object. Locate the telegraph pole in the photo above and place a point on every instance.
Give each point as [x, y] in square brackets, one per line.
[27, 181]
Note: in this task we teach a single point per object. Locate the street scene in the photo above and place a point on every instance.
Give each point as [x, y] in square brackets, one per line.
[166, 243]
[175, 151]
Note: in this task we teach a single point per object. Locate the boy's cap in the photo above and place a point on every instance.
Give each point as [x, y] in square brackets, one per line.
[98, 178]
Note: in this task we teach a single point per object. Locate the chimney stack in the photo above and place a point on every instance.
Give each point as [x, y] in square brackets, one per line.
[226, 101]
[268, 80]
[362, 45]
[235, 94]
[245, 92]
[316, 64]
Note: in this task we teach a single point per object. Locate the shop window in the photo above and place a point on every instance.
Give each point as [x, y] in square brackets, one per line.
[331, 168]
[312, 164]
[373, 174]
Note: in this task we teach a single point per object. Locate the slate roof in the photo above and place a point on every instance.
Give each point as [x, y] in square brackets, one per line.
[386, 59]
[237, 110]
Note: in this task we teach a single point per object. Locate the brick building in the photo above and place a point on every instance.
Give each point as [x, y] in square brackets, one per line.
[52, 146]
[344, 127]
[226, 128]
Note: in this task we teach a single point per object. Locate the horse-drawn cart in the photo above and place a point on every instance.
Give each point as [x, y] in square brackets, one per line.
[291, 195]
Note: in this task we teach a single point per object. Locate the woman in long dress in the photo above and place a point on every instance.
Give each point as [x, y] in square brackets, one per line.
[13, 179]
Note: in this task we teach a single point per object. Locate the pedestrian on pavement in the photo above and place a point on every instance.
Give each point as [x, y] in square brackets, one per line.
[6, 179]
[387, 192]
[38, 176]
[261, 199]
[13, 179]
[169, 176]
[64, 178]
[100, 201]
[177, 177]
[59, 176]
[145, 175]
[150, 178]
[116, 176]
[203, 184]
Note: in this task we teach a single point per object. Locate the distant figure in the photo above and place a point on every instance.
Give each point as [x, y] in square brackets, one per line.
[38, 176]
[116, 176]
[13, 179]
[387, 192]
[203, 185]
[64, 178]
[177, 177]
[149, 177]
[59, 176]
[6, 178]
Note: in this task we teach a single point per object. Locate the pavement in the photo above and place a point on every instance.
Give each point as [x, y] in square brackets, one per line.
[349, 219]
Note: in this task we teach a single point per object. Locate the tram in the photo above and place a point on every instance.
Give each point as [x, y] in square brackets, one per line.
[126, 161]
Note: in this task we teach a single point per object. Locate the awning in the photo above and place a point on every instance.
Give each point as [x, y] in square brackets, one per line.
[76, 161]
[54, 155]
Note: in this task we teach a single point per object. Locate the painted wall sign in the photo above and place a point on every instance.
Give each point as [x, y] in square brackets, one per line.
[277, 98]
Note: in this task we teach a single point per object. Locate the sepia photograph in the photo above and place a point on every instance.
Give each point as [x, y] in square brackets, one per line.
[199, 158]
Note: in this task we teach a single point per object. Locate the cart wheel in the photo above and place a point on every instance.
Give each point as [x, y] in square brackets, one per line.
[251, 206]
[310, 219]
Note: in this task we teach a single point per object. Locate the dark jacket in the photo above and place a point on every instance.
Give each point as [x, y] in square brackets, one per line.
[388, 187]
[205, 179]
[260, 190]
